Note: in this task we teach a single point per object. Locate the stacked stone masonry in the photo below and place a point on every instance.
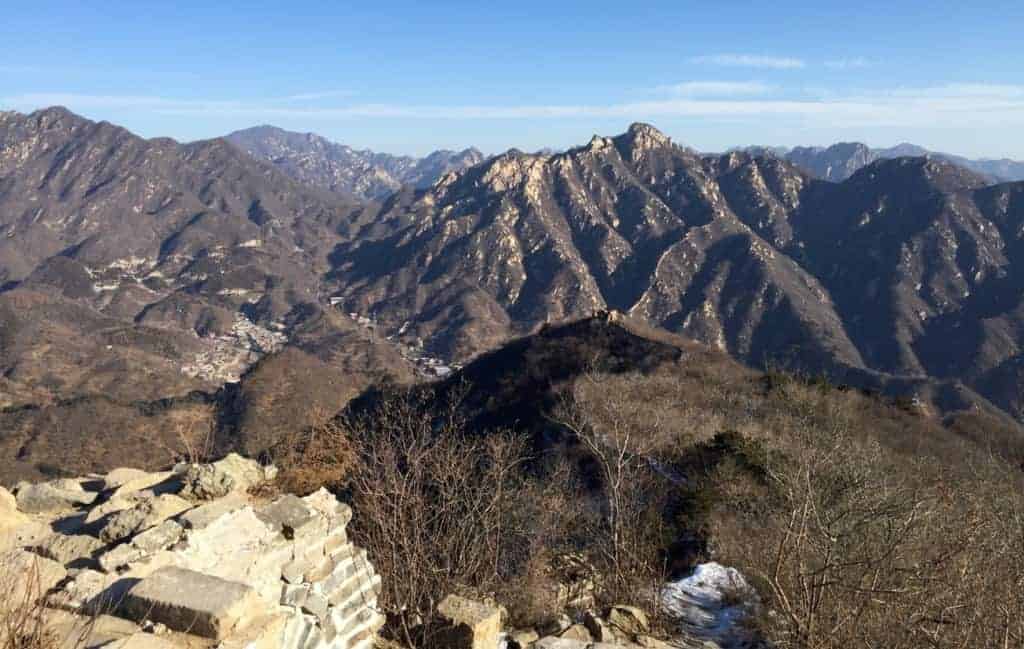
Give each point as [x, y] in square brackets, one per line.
[189, 558]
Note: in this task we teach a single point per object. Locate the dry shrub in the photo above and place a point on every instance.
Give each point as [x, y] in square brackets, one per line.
[533, 597]
[194, 435]
[322, 455]
[624, 426]
[858, 534]
[439, 509]
[859, 524]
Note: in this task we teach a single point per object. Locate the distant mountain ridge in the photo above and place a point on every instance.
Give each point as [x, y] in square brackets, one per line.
[905, 276]
[367, 175]
[134, 272]
[840, 161]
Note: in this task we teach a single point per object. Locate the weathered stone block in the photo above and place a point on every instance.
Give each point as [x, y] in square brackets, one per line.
[159, 537]
[23, 535]
[204, 515]
[291, 516]
[147, 513]
[335, 540]
[85, 587]
[469, 624]
[294, 594]
[342, 624]
[629, 619]
[522, 638]
[121, 476]
[324, 502]
[192, 602]
[151, 484]
[50, 497]
[232, 473]
[72, 551]
[577, 632]
[600, 630]
[316, 604]
[263, 633]
[295, 570]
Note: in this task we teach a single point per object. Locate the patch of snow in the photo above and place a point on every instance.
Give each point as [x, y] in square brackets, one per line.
[711, 602]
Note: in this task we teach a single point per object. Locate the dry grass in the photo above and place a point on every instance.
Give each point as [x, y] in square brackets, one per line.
[23, 622]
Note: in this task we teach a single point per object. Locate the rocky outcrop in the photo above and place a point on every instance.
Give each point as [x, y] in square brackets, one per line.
[191, 558]
[468, 624]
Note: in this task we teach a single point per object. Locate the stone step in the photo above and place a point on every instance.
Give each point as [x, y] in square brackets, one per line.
[311, 559]
[355, 579]
[331, 564]
[363, 589]
[340, 625]
[363, 633]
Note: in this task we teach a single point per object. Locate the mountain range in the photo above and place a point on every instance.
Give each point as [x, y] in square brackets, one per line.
[141, 276]
[903, 274]
[840, 161]
[317, 161]
[144, 281]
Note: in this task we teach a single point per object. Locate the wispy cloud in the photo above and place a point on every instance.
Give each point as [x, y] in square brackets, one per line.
[316, 96]
[964, 90]
[155, 102]
[750, 61]
[717, 89]
[955, 104]
[848, 63]
[85, 101]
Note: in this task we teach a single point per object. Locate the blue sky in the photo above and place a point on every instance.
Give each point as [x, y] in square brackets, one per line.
[409, 77]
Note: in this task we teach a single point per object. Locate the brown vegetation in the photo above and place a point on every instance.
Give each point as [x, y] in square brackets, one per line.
[321, 455]
[859, 522]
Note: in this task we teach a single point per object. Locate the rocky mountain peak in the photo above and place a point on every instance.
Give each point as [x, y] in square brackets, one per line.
[512, 168]
[55, 112]
[849, 148]
[599, 143]
[641, 137]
